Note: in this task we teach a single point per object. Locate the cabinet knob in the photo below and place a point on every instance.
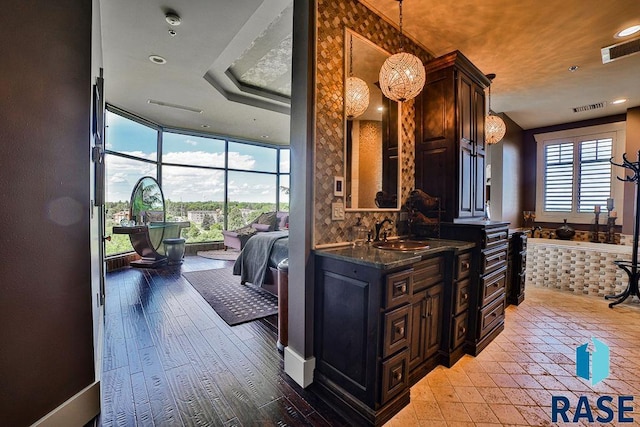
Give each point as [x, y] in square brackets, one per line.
[402, 288]
[465, 296]
[465, 265]
[400, 330]
[397, 375]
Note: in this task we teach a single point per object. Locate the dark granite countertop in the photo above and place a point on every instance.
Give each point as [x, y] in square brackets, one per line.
[387, 259]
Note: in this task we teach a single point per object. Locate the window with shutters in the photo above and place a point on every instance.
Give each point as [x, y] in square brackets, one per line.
[575, 175]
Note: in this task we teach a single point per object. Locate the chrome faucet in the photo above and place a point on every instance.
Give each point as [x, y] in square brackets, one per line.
[379, 226]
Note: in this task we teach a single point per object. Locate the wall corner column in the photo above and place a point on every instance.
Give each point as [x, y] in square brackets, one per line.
[299, 361]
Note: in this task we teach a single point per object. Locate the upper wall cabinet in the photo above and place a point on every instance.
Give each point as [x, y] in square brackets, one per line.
[450, 143]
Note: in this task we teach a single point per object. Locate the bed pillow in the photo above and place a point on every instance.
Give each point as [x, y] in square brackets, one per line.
[283, 220]
[247, 230]
[260, 227]
[268, 218]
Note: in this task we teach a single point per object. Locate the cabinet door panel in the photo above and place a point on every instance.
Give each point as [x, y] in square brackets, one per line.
[478, 181]
[346, 327]
[418, 331]
[465, 109]
[435, 297]
[466, 189]
[435, 108]
[479, 111]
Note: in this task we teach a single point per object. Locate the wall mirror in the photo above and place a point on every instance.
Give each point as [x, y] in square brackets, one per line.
[371, 146]
[147, 201]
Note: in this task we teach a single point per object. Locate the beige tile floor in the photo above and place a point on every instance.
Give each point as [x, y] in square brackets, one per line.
[511, 382]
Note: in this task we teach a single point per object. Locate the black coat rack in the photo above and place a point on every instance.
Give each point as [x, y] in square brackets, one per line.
[630, 267]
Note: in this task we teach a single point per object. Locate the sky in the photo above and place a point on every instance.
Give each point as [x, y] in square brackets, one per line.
[185, 183]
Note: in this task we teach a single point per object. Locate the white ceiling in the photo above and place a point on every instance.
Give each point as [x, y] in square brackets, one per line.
[528, 44]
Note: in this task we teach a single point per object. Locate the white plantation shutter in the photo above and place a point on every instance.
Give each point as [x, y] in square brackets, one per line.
[595, 174]
[558, 177]
[574, 173]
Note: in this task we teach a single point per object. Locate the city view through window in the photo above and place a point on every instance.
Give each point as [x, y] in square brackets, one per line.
[213, 183]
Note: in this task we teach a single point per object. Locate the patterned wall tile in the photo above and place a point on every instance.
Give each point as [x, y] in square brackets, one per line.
[587, 270]
[332, 19]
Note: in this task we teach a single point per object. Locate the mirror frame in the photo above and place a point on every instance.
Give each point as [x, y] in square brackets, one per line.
[350, 32]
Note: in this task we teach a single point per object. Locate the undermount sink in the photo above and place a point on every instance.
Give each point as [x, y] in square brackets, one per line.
[402, 245]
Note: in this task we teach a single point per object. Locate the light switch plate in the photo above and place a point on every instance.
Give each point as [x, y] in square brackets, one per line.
[337, 211]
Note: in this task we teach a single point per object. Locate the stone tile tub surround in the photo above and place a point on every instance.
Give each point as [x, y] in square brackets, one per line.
[580, 267]
[584, 235]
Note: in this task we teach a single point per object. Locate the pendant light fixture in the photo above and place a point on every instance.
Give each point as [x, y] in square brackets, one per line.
[402, 75]
[356, 96]
[494, 125]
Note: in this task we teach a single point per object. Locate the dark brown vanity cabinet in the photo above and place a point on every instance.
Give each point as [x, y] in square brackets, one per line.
[516, 270]
[487, 279]
[375, 330]
[450, 142]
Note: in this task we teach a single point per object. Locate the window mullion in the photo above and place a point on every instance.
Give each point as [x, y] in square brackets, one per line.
[576, 177]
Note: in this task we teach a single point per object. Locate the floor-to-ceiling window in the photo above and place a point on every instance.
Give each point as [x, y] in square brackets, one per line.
[214, 183]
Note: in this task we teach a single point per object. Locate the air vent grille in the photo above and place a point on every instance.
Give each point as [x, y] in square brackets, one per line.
[170, 105]
[589, 107]
[620, 50]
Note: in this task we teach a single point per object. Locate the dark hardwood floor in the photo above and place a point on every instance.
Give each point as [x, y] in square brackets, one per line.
[170, 360]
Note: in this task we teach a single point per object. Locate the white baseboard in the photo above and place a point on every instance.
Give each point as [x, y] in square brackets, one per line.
[77, 411]
[299, 368]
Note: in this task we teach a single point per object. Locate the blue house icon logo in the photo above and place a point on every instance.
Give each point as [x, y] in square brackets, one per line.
[598, 365]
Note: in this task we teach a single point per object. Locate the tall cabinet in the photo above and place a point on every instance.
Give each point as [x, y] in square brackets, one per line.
[450, 143]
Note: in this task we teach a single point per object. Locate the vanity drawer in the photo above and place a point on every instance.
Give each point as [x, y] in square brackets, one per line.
[491, 285]
[459, 330]
[464, 265]
[397, 331]
[496, 237]
[395, 375]
[398, 288]
[461, 302]
[493, 259]
[427, 272]
[490, 316]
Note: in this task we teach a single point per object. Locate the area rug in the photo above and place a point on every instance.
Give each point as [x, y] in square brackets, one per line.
[234, 302]
[228, 255]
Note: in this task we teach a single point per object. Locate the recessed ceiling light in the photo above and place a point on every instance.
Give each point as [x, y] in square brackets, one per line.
[205, 126]
[380, 108]
[265, 136]
[619, 101]
[157, 59]
[573, 68]
[628, 31]
[173, 18]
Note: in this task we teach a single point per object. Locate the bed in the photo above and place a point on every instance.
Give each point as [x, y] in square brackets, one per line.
[258, 261]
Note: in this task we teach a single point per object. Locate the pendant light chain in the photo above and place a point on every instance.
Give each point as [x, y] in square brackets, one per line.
[401, 35]
[350, 54]
[402, 75]
[490, 98]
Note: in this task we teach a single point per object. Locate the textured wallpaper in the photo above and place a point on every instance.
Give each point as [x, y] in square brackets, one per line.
[332, 19]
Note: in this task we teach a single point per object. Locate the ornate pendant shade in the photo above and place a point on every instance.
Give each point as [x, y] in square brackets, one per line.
[356, 97]
[402, 75]
[356, 91]
[494, 126]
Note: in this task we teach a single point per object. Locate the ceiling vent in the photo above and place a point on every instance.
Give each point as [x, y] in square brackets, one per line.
[589, 107]
[170, 105]
[620, 50]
